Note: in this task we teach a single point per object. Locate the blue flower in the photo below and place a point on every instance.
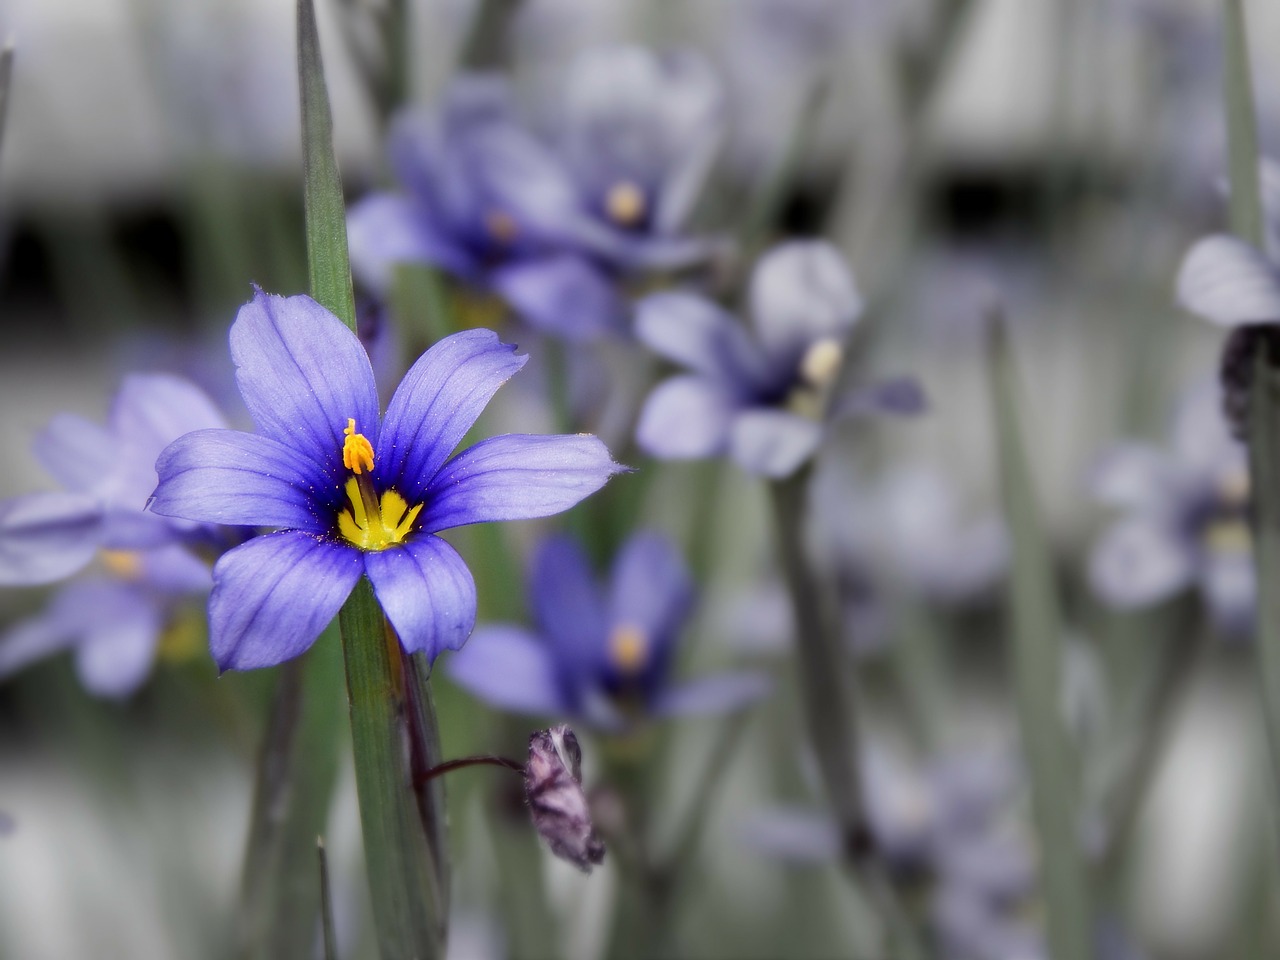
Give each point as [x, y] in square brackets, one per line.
[352, 494]
[602, 654]
[107, 474]
[639, 132]
[1185, 521]
[488, 203]
[763, 399]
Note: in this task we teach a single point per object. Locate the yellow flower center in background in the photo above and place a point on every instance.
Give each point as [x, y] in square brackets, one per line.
[625, 204]
[1228, 536]
[376, 530]
[125, 564]
[628, 648]
[821, 362]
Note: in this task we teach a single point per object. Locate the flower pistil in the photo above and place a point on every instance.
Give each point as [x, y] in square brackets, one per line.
[371, 522]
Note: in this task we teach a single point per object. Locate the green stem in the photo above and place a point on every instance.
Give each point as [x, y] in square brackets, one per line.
[6, 84]
[329, 938]
[1036, 654]
[1242, 129]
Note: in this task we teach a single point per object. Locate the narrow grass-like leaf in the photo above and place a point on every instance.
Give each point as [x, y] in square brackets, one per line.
[1036, 653]
[296, 773]
[6, 84]
[826, 684]
[328, 263]
[486, 44]
[1242, 128]
[329, 939]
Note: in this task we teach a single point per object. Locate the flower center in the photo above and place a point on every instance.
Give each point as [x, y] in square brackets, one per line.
[501, 226]
[1228, 535]
[816, 373]
[628, 648]
[625, 204]
[370, 522]
[125, 564]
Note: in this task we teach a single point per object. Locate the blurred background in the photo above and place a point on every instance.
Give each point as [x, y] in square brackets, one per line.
[1058, 156]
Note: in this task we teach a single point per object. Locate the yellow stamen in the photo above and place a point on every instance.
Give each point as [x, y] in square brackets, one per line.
[389, 525]
[821, 362]
[1228, 536]
[357, 451]
[625, 203]
[1234, 488]
[628, 648]
[125, 564]
[501, 226]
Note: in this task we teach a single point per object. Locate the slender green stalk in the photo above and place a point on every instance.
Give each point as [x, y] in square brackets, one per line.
[486, 44]
[1264, 390]
[393, 726]
[1036, 653]
[827, 688]
[296, 773]
[1242, 128]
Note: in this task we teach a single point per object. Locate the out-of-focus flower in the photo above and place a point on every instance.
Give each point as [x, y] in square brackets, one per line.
[639, 132]
[1185, 520]
[1230, 282]
[944, 825]
[113, 618]
[603, 655]
[354, 494]
[911, 524]
[766, 399]
[557, 804]
[489, 204]
[106, 474]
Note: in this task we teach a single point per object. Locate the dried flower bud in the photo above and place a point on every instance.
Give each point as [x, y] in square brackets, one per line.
[1236, 371]
[557, 804]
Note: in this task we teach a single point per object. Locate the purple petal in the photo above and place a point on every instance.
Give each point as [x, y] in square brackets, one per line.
[686, 418]
[77, 453]
[517, 477]
[773, 443]
[113, 626]
[117, 651]
[175, 571]
[385, 229]
[303, 374]
[721, 693]
[153, 410]
[273, 595]
[802, 292]
[1230, 586]
[426, 592]
[562, 295]
[789, 833]
[1138, 562]
[47, 536]
[437, 402]
[901, 396]
[698, 334]
[1134, 475]
[651, 589]
[229, 477]
[1229, 282]
[568, 607]
[508, 668]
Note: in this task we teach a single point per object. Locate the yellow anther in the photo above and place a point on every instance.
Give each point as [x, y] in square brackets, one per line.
[125, 564]
[628, 648]
[357, 451]
[625, 203]
[821, 362]
[1228, 536]
[389, 525]
[1233, 488]
[501, 226]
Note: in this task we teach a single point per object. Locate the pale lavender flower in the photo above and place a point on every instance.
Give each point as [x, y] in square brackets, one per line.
[1185, 520]
[762, 397]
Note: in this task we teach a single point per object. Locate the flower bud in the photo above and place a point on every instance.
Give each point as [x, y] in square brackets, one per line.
[557, 803]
